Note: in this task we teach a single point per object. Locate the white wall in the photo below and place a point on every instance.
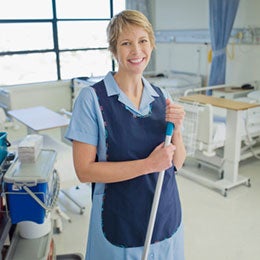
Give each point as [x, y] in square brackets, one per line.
[181, 14]
[186, 14]
[246, 64]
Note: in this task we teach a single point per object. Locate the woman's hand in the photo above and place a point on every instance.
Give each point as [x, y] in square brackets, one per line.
[175, 114]
[160, 158]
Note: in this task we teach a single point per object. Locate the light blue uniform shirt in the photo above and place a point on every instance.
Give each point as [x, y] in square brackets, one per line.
[87, 126]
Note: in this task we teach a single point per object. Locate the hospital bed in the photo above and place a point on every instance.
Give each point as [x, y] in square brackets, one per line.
[176, 82]
[212, 145]
[212, 137]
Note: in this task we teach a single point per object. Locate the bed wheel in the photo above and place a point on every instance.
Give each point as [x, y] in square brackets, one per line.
[248, 183]
[225, 193]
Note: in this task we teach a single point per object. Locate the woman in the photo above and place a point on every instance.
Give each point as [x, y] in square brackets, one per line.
[118, 129]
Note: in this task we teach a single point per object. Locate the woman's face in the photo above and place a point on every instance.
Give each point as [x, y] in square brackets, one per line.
[133, 50]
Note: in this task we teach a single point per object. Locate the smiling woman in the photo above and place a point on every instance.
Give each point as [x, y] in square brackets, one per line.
[117, 130]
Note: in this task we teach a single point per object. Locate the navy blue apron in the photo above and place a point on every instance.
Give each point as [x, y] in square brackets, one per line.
[127, 204]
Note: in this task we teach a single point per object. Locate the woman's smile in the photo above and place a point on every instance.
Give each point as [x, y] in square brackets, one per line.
[136, 61]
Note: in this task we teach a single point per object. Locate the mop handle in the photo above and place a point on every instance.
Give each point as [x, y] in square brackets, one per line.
[156, 198]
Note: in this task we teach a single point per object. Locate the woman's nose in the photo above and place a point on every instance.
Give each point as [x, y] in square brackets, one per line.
[135, 48]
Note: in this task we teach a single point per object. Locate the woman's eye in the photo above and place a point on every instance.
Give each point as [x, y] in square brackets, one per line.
[126, 43]
[144, 41]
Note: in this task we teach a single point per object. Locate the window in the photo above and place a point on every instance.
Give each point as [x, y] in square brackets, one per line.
[97, 9]
[54, 39]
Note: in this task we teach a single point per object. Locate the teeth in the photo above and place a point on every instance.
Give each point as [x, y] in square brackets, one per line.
[136, 61]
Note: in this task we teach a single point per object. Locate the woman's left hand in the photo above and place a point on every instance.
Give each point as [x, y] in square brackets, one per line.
[175, 114]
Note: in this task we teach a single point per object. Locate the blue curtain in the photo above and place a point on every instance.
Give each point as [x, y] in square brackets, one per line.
[222, 14]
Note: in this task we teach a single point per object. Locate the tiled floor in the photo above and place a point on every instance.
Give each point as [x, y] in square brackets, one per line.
[216, 227]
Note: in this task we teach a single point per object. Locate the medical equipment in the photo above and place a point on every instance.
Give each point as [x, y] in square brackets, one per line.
[158, 189]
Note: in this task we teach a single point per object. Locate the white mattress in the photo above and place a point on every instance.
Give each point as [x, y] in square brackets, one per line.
[175, 83]
[254, 95]
[250, 126]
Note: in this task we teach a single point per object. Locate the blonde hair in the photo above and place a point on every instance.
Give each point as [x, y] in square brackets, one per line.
[123, 19]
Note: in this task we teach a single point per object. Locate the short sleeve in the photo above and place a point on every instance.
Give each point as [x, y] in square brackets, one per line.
[83, 125]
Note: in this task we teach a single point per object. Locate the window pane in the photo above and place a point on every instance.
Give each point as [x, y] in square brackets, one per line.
[83, 9]
[25, 37]
[26, 9]
[85, 63]
[18, 69]
[86, 34]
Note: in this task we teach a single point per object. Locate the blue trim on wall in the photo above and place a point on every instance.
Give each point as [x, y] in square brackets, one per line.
[238, 36]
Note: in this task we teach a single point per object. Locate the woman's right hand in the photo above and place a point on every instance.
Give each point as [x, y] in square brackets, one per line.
[161, 157]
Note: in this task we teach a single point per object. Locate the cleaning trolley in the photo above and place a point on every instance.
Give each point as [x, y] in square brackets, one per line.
[31, 189]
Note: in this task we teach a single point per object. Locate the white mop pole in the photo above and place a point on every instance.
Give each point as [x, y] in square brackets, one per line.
[156, 198]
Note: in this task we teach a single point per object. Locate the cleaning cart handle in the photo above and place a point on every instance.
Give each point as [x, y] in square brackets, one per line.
[55, 195]
[156, 198]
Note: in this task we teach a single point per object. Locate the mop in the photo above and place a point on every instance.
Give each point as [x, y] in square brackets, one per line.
[156, 198]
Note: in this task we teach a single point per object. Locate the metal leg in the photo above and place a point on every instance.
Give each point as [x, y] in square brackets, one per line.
[82, 208]
[57, 216]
